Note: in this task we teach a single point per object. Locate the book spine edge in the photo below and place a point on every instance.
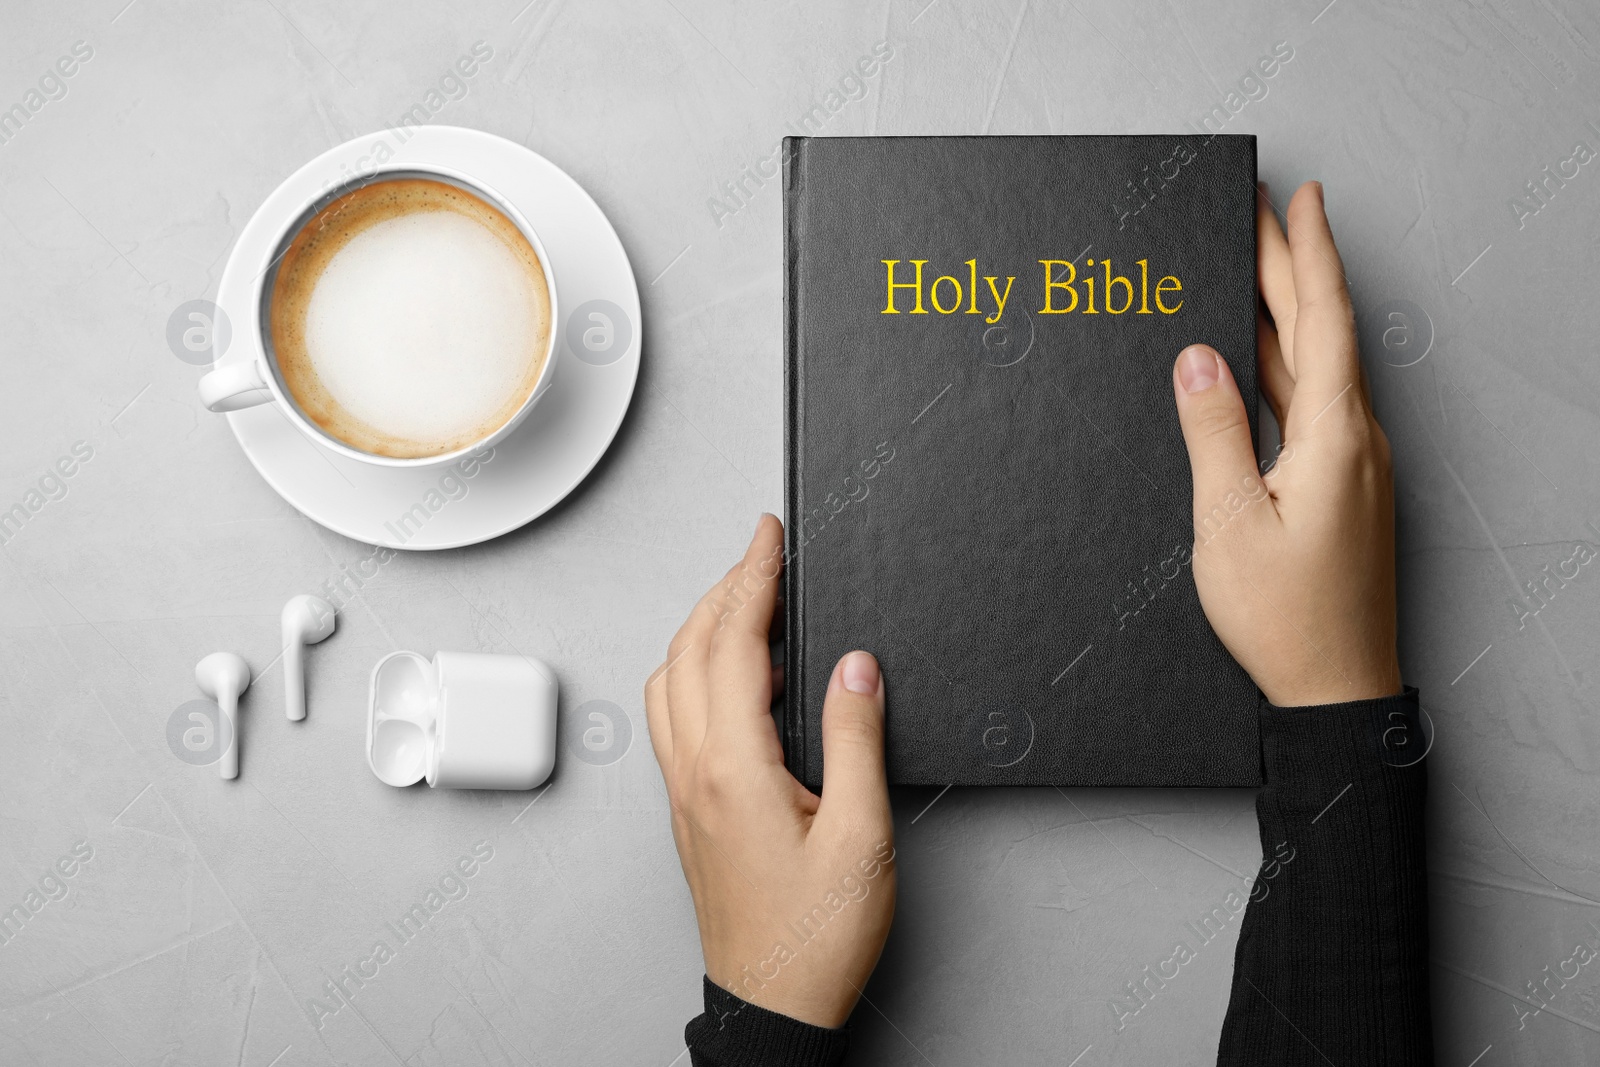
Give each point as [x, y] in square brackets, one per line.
[794, 703]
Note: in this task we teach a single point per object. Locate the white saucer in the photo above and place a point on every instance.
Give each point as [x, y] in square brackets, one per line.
[561, 439]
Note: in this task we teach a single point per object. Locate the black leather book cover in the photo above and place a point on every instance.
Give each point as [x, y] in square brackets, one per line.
[986, 483]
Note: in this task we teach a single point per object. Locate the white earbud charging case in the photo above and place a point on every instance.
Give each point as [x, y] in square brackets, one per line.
[463, 720]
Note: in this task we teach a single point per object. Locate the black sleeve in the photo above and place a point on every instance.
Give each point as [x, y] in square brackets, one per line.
[736, 1033]
[1332, 963]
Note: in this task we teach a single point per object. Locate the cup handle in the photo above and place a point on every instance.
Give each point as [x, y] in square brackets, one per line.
[238, 385]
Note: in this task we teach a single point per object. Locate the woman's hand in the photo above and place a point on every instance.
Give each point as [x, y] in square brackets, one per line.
[794, 895]
[1296, 569]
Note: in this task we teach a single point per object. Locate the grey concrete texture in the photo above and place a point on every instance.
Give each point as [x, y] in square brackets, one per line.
[202, 922]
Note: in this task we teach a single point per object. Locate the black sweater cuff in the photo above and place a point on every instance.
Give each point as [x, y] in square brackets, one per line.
[1332, 961]
[736, 1033]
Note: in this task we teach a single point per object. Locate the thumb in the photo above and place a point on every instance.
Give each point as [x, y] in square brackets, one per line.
[1221, 452]
[853, 777]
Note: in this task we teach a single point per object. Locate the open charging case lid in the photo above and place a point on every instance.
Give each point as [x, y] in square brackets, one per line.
[465, 720]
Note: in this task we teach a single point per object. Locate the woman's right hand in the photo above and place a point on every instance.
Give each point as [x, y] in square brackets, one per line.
[1296, 569]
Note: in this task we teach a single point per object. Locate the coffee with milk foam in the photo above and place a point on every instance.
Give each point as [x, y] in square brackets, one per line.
[410, 318]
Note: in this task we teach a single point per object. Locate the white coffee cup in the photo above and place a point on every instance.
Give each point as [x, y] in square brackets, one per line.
[257, 380]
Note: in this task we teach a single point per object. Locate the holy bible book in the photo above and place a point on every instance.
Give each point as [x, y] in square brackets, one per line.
[986, 483]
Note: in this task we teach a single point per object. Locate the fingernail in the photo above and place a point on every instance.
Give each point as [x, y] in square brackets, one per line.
[860, 673]
[1197, 368]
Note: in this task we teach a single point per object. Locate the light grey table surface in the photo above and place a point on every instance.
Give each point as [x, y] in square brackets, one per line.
[209, 915]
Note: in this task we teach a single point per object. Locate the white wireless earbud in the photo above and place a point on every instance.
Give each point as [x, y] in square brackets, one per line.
[223, 676]
[307, 619]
